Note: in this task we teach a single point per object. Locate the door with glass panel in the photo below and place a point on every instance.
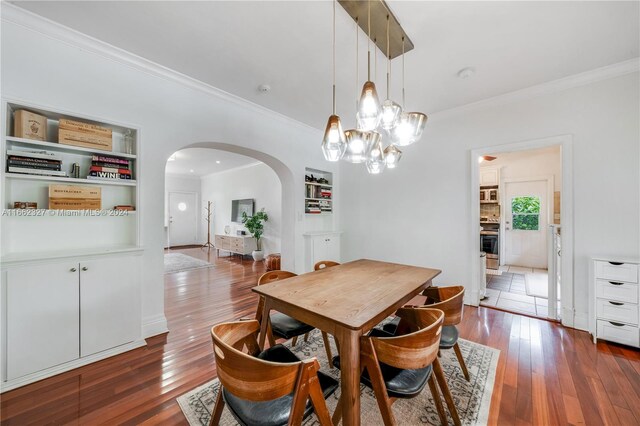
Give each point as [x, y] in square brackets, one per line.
[183, 219]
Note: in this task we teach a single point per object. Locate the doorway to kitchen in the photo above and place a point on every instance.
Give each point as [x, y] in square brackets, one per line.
[521, 226]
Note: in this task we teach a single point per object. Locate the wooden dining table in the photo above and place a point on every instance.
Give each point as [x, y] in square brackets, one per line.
[346, 301]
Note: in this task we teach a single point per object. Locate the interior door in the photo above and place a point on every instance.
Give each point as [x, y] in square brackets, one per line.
[42, 317]
[109, 313]
[183, 219]
[526, 217]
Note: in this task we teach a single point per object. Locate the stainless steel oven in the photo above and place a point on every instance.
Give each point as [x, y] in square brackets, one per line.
[490, 244]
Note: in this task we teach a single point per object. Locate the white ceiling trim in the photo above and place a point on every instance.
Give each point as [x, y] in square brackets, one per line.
[57, 31]
[576, 80]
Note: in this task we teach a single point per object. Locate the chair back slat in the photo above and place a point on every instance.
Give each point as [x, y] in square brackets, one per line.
[272, 276]
[450, 300]
[323, 264]
[243, 375]
[413, 350]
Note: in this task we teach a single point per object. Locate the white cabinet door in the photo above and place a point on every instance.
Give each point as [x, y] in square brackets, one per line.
[319, 249]
[109, 303]
[333, 248]
[489, 176]
[42, 317]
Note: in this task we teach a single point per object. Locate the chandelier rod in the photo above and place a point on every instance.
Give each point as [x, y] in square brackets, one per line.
[334, 57]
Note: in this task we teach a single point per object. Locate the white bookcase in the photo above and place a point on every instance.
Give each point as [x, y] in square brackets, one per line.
[70, 280]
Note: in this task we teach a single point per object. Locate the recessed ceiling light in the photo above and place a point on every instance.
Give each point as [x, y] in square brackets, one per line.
[191, 171]
[264, 88]
[217, 161]
[467, 72]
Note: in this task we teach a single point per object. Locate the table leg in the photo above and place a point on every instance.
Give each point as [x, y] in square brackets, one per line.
[264, 323]
[350, 376]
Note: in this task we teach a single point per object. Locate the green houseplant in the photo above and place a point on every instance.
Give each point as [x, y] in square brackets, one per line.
[255, 226]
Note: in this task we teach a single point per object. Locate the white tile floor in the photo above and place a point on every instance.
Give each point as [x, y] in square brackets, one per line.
[508, 292]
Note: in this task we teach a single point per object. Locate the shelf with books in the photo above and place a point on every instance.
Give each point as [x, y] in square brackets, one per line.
[70, 149]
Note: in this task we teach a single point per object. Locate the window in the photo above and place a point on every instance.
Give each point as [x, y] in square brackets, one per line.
[525, 213]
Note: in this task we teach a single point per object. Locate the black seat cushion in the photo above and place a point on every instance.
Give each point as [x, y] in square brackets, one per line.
[392, 325]
[449, 336]
[274, 412]
[288, 327]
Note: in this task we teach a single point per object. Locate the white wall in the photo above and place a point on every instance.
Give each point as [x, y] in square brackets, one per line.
[419, 212]
[257, 181]
[177, 183]
[532, 163]
[74, 73]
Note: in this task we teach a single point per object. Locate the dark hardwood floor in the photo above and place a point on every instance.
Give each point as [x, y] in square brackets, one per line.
[546, 375]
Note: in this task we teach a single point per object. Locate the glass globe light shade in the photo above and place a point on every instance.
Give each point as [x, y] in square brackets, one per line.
[375, 158]
[358, 145]
[334, 143]
[392, 156]
[409, 128]
[369, 111]
[390, 114]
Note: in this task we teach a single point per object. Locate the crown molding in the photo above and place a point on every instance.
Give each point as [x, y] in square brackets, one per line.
[54, 30]
[565, 83]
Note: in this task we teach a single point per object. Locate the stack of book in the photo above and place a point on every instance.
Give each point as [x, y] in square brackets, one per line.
[325, 192]
[109, 168]
[34, 163]
[312, 207]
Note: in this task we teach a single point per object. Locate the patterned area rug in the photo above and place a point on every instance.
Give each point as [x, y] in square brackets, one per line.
[176, 262]
[472, 398]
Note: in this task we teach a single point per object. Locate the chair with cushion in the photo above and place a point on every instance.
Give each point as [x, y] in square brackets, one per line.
[400, 366]
[450, 301]
[281, 325]
[269, 388]
[324, 264]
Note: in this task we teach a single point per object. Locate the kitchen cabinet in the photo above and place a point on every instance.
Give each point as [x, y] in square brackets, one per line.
[321, 246]
[489, 176]
[63, 313]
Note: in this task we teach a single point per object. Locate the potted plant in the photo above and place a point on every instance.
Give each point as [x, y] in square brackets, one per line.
[254, 225]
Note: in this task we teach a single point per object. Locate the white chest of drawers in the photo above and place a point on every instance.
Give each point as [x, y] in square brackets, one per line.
[615, 301]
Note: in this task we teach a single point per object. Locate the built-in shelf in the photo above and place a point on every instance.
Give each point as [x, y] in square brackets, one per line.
[319, 184]
[121, 182]
[319, 214]
[319, 199]
[57, 254]
[54, 146]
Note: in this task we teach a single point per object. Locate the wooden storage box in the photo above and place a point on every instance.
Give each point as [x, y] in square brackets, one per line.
[29, 125]
[86, 135]
[74, 197]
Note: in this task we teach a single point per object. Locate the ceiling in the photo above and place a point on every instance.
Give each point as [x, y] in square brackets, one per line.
[203, 161]
[237, 46]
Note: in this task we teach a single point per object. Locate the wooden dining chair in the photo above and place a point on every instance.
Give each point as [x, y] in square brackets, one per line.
[400, 366]
[324, 264]
[272, 387]
[450, 301]
[282, 325]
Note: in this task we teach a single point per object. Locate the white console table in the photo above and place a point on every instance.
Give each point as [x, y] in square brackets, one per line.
[238, 244]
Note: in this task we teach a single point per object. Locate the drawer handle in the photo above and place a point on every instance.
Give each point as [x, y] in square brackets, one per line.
[616, 263]
[84, 268]
[615, 283]
[617, 324]
[616, 303]
[73, 270]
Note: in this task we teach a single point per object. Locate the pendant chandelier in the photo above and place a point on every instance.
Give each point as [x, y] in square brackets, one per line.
[364, 144]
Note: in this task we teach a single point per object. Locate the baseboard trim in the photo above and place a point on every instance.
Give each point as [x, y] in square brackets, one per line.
[581, 321]
[67, 366]
[152, 326]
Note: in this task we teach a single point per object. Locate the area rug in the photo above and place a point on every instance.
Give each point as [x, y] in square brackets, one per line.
[537, 284]
[176, 262]
[472, 398]
[494, 272]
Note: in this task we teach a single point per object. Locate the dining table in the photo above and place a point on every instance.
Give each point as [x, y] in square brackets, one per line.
[346, 301]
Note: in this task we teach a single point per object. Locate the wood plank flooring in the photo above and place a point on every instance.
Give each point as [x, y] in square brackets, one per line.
[547, 374]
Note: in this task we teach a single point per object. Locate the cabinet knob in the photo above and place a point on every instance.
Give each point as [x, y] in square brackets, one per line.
[73, 270]
[84, 268]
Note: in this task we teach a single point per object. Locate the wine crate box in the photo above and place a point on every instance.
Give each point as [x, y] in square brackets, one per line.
[77, 133]
[75, 204]
[29, 125]
[75, 191]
